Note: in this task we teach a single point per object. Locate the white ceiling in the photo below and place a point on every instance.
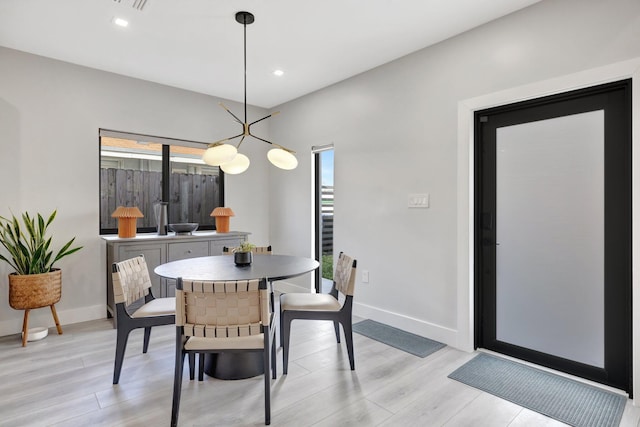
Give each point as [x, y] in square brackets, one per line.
[197, 44]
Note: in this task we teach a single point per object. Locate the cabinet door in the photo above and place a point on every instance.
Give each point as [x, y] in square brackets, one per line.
[215, 246]
[154, 255]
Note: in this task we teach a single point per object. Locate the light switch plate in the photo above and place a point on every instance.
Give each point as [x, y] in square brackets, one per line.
[365, 276]
[418, 200]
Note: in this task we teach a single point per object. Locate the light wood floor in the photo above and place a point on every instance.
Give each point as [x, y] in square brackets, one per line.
[66, 381]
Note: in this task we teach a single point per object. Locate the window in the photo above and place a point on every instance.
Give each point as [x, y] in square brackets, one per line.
[141, 170]
[324, 214]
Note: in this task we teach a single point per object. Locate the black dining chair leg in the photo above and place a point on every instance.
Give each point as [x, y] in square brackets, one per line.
[201, 367]
[284, 339]
[147, 336]
[267, 381]
[348, 336]
[336, 326]
[177, 385]
[271, 299]
[121, 346]
[273, 358]
[192, 366]
[281, 330]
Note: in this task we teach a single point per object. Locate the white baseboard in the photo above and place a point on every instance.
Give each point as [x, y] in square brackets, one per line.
[429, 330]
[43, 317]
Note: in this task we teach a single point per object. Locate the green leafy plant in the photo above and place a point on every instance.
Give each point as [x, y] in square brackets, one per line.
[28, 245]
[244, 247]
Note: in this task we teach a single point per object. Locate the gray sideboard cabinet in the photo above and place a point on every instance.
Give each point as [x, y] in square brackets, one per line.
[161, 249]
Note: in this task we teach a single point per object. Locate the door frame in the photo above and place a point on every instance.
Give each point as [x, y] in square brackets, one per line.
[465, 185]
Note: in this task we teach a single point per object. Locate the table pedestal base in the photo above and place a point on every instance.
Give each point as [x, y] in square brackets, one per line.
[234, 366]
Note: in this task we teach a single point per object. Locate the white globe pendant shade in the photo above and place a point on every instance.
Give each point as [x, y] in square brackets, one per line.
[282, 159]
[239, 164]
[219, 154]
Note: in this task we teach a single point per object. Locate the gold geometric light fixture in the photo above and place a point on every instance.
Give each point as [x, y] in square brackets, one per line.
[225, 155]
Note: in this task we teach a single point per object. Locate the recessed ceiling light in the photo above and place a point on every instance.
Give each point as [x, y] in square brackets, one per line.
[278, 73]
[121, 22]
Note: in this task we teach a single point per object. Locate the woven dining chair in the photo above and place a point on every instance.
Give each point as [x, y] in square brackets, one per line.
[131, 282]
[223, 317]
[322, 307]
[263, 250]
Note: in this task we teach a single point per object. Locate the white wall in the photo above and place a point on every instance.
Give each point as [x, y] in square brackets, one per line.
[395, 132]
[50, 113]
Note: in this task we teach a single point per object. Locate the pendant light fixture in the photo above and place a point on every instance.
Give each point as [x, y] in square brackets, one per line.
[225, 155]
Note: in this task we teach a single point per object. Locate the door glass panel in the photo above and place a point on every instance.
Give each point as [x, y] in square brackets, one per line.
[550, 236]
[326, 218]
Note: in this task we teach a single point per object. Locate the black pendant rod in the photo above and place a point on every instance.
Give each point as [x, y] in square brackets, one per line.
[245, 18]
[245, 69]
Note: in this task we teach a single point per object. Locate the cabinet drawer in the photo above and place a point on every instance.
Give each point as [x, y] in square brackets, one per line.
[187, 250]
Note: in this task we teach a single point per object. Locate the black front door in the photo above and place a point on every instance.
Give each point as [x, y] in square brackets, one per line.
[553, 232]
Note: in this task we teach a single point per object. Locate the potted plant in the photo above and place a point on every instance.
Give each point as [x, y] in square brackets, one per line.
[35, 282]
[242, 255]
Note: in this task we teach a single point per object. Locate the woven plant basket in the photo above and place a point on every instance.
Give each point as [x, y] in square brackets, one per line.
[35, 290]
